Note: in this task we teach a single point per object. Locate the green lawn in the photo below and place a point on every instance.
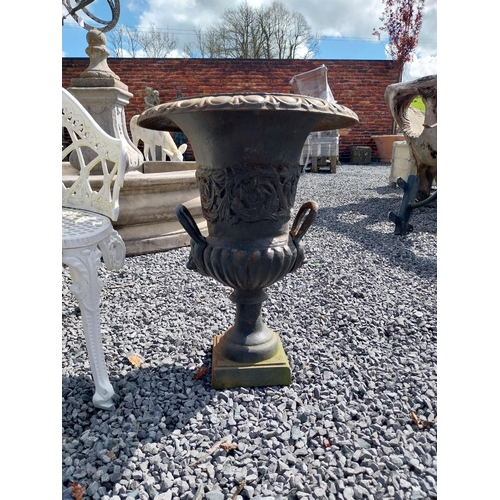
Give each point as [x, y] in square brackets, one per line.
[418, 103]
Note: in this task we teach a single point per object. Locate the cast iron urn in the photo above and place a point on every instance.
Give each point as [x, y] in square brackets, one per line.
[247, 149]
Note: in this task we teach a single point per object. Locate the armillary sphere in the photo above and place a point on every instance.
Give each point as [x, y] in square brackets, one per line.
[74, 7]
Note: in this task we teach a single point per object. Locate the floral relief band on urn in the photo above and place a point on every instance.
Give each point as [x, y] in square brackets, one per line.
[247, 149]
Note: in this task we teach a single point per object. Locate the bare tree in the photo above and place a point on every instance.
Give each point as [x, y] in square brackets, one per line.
[286, 34]
[271, 32]
[211, 43]
[199, 48]
[117, 39]
[134, 43]
[218, 41]
[241, 33]
[302, 38]
[125, 41]
[157, 43]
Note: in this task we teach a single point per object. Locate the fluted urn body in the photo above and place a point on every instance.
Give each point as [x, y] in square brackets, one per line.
[247, 149]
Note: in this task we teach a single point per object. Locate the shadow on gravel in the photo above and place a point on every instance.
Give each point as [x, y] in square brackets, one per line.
[367, 223]
[151, 404]
[138, 393]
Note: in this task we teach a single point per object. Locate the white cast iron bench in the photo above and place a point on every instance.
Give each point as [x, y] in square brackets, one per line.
[87, 230]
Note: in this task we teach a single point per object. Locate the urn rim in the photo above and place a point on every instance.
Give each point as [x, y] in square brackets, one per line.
[331, 115]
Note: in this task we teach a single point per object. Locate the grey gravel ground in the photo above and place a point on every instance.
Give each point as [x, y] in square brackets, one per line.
[358, 323]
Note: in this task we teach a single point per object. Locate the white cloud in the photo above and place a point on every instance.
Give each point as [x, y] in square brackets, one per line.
[354, 19]
[350, 18]
[425, 57]
[422, 65]
[182, 15]
[347, 18]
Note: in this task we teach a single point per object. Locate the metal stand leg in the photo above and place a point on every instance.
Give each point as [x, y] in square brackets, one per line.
[408, 204]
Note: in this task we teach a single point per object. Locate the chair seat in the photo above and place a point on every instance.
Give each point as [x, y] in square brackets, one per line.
[81, 228]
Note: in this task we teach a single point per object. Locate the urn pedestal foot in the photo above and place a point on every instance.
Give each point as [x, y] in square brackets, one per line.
[227, 374]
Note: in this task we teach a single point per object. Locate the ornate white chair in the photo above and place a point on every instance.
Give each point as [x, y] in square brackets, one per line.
[87, 231]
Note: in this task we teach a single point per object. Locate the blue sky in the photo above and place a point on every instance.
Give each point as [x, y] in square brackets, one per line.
[346, 26]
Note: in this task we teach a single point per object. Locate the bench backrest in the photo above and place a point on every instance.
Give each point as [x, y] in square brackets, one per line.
[92, 146]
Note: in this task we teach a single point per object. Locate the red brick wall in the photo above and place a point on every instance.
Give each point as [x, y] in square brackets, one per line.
[358, 85]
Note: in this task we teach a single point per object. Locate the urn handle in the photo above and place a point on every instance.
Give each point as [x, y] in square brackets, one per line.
[188, 223]
[304, 218]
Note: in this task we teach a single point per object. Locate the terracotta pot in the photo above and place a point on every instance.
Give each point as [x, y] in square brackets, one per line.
[384, 145]
[247, 149]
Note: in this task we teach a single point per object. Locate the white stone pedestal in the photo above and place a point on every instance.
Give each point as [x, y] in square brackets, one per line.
[104, 96]
[107, 107]
[400, 164]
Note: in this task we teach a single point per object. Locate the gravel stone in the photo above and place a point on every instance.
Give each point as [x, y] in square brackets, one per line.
[214, 495]
[358, 323]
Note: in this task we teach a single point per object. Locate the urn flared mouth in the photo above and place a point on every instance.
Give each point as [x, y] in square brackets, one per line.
[330, 115]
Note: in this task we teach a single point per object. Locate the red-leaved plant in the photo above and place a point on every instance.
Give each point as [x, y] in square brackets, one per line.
[402, 20]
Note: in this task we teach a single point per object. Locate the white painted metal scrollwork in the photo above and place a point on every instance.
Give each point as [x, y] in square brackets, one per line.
[113, 251]
[83, 266]
[109, 151]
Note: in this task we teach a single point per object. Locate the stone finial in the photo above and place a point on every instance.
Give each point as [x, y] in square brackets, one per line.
[98, 73]
[98, 54]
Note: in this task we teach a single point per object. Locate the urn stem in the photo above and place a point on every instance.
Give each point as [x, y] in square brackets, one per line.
[249, 339]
